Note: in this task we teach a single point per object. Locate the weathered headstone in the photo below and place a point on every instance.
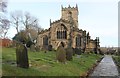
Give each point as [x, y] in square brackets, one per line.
[22, 56]
[32, 48]
[77, 51]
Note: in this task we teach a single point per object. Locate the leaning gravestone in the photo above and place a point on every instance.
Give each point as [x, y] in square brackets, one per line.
[22, 56]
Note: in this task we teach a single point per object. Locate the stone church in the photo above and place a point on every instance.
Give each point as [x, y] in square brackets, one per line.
[65, 31]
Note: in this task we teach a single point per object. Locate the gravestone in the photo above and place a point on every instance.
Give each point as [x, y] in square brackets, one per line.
[32, 48]
[77, 51]
[22, 56]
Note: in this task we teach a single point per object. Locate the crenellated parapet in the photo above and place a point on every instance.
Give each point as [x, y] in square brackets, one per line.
[69, 8]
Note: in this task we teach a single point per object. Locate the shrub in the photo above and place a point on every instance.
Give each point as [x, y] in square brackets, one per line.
[69, 53]
[91, 52]
[23, 38]
[119, 60]
[61, 54]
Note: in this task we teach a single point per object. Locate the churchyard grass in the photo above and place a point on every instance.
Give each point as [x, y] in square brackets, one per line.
[117, 61]
[45, 64]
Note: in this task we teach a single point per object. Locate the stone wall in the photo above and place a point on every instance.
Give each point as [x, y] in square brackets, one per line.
[40, 38]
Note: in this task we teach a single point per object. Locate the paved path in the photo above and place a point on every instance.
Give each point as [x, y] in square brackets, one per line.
[106, 67]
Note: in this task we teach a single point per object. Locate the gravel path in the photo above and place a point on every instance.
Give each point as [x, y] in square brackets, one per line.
[106, 68]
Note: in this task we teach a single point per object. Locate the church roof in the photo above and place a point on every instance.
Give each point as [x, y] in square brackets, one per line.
[44, 31]
[57, 21]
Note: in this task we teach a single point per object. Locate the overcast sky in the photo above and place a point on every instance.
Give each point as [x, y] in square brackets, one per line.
[99, 17]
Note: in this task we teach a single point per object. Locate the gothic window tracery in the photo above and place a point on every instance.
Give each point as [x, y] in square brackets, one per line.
[62, 32]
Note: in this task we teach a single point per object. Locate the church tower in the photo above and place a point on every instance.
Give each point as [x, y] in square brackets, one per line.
[69, 12]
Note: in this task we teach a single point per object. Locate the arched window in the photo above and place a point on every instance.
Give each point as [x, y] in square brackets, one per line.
[78, 41]
[45, 40]
[62, 32]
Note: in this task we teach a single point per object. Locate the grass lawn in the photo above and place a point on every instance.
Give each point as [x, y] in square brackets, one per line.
[45, 64]
[117, 61]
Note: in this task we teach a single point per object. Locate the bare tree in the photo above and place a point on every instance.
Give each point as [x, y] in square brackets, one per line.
[4, 22]
[26, 20]
[5, 26]
[16, 18]
[30, 24]
[29, 21]
[3, 5]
